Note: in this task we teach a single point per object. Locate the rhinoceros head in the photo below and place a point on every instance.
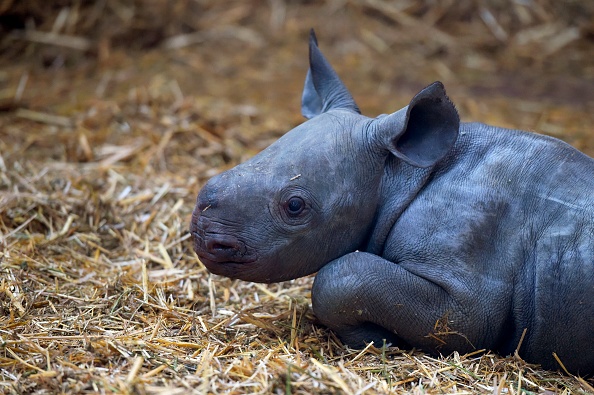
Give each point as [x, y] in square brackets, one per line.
[312, 196]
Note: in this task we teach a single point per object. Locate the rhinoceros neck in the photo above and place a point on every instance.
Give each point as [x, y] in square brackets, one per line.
[400, 184]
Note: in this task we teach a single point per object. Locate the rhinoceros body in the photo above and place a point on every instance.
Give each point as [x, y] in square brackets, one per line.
[424, 231]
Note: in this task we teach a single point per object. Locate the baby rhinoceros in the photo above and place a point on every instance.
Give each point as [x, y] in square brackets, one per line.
[424, 231]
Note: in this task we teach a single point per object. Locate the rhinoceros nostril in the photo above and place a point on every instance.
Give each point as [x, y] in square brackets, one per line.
[221, 247]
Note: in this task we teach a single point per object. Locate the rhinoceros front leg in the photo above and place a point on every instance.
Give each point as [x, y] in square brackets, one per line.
[363, 298]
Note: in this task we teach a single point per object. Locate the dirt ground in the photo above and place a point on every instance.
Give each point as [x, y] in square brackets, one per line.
[114, 113]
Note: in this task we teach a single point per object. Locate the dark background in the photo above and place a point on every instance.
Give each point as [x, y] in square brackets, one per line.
[527, 64]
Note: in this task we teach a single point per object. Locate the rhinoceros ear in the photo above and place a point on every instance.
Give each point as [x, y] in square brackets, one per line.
[427, 131]
[323, 88]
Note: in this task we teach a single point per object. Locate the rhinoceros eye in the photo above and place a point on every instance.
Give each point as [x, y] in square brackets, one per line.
[295, 206]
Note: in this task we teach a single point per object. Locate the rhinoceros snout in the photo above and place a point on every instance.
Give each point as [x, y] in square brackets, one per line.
[215, 243]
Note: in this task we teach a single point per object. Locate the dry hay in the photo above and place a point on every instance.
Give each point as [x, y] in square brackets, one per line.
[100, 291]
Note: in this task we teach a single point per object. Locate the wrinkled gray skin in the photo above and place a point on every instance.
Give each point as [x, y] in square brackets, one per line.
[467, 233]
